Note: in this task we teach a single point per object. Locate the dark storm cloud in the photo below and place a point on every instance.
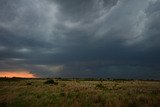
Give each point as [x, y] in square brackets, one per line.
[79, 38]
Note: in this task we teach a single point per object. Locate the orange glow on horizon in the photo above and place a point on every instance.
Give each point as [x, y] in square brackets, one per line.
[21, 74]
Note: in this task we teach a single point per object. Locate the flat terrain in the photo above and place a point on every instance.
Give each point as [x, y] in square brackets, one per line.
[78, 93]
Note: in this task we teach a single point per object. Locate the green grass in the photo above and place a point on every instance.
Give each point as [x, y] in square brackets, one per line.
[78, 93]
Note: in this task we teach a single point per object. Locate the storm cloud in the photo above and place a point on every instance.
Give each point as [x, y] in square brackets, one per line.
[81, 38]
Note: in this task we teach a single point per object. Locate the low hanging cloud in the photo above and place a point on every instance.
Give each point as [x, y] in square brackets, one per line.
[79, 38]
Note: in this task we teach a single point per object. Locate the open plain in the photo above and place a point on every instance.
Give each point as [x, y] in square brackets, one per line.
[16, 92]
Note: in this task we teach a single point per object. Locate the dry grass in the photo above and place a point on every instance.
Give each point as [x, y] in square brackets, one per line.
[77, 93]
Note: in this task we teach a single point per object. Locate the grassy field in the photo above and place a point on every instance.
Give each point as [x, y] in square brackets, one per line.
[78, 93]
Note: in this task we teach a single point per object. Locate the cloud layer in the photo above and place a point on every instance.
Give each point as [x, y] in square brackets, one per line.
[79, 38]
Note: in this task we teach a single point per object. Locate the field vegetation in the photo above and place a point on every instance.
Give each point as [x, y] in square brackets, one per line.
[17, 92]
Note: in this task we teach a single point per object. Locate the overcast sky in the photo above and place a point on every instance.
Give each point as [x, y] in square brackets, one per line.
[81, 38]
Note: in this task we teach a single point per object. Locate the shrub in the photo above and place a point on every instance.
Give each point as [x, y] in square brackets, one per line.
[28, 83]
[51, 81]
[62, 94]
[101, 86]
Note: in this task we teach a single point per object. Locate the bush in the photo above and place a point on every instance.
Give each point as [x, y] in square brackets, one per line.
[51, 81]
[101, 86]
[28, 83]
[62, 94]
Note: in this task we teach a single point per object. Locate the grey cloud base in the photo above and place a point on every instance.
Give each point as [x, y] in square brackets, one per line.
[79, 38]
